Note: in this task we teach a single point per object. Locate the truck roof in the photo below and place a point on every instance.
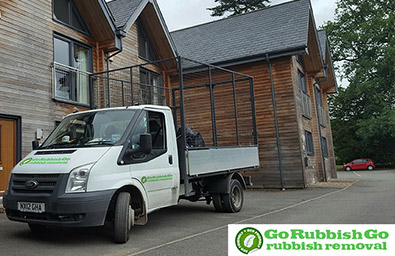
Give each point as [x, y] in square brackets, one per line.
[138, 107]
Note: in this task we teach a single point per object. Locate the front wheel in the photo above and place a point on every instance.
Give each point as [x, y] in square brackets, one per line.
[348, 168]
[370, 167]
[233, 201]
[123, 219]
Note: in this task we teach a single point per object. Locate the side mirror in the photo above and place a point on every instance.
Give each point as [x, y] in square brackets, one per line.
[35, 144]
[145, 143]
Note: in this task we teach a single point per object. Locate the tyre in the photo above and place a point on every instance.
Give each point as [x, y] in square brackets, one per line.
[370, 167]
[348, 168]
[217, 202]
[123, 218]
[37, 228]
[233, 202]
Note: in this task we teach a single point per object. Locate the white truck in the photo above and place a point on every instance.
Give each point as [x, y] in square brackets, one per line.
[119, 165]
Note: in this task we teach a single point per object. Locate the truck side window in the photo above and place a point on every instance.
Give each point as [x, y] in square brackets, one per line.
[141, 128]
[157, 130]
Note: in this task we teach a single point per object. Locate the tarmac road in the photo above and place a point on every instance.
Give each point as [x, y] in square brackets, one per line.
[196, 229]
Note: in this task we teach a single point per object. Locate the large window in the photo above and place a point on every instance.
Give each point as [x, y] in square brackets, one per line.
[72, 66]
[66, 12]
[306, 104]
[145, 48]
[150, 87]
[309, 143]
[320, 108]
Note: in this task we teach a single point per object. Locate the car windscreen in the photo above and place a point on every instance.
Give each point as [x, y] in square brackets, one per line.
[90, 129]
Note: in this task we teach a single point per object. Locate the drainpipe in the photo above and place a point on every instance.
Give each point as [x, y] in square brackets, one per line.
[119, 35]
[317, 82]
[276, 124]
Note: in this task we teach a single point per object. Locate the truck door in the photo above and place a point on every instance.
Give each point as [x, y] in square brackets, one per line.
[157, 171]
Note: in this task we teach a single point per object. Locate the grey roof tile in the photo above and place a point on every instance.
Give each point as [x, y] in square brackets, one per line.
[323, 39]
[274, 29]
[122, 10]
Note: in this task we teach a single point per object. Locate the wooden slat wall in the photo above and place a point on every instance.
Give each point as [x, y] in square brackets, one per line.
[26, 57]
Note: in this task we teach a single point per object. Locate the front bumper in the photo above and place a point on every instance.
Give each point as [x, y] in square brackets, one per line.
[67, 210]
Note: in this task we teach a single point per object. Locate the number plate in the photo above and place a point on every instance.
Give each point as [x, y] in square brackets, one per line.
[31, 207]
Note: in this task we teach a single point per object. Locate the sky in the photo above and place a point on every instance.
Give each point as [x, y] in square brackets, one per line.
[180, 14]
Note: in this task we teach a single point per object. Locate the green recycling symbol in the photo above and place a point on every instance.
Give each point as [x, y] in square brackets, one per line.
[249, 239]
[143, 179]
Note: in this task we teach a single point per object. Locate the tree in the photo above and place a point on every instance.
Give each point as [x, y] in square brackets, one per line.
[363, 114]
[237, 6]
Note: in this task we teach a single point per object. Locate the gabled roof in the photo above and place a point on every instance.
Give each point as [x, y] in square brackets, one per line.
[323, 41]
[122, 10]
[276, 29]
[126, 13]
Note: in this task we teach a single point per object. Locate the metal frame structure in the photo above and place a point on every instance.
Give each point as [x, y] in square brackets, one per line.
[127, 79]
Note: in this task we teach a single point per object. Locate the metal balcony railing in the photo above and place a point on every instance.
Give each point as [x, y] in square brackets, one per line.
[71, 84]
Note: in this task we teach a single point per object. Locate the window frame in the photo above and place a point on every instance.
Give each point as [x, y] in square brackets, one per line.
[71, 7]
[324, 143]
[73, 99]
[123, 157]
[309, 143]
[151, 89]
[149, 50]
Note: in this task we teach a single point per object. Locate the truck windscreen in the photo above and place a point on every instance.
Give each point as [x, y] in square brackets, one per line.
[90, 129]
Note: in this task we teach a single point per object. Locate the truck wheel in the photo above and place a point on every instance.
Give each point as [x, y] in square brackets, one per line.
[123, 218]
[217, 202]
[37, 228]
[233, 202]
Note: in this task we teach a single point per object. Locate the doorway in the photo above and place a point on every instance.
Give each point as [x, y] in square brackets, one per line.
[9, 148]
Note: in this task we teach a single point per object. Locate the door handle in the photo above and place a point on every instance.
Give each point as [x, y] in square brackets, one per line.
[170, 159]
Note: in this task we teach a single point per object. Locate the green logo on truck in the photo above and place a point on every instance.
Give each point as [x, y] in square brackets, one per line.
[249, 239]
[156, 178]
[42, 160]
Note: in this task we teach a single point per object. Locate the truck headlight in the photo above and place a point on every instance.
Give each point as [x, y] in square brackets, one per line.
[78, 179]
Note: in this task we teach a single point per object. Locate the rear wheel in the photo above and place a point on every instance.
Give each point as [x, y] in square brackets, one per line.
[217, 202]
[233, 202]
[370, 167]
[123, 219]
[348, 168]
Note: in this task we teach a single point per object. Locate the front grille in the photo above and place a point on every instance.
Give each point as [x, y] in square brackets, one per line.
[46, 183]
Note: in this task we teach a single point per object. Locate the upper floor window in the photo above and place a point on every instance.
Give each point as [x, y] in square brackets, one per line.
[66, 12]
[145, 48]
[72, 67]
[320, 109]
[306, 104]
[150, 87]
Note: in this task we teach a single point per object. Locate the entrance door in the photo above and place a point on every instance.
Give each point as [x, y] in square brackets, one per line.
[7, 151]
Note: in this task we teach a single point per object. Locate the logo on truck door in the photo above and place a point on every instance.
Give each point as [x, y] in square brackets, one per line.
[156, 178]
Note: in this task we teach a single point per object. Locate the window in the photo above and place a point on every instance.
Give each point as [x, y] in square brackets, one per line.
[150, 87]
[72, 66]
[324, 147]
[67, 13]
[153, 123]
[145, 49]
[320, 108]
[306, 104]
[299, 59]
[309, 143]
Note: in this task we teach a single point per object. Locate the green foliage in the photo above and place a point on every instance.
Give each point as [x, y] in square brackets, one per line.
[362, 38]
[237, 6]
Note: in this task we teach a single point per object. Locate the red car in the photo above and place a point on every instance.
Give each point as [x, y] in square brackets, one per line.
[359, 164]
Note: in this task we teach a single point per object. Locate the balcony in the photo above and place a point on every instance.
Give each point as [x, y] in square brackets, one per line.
[71, 85]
